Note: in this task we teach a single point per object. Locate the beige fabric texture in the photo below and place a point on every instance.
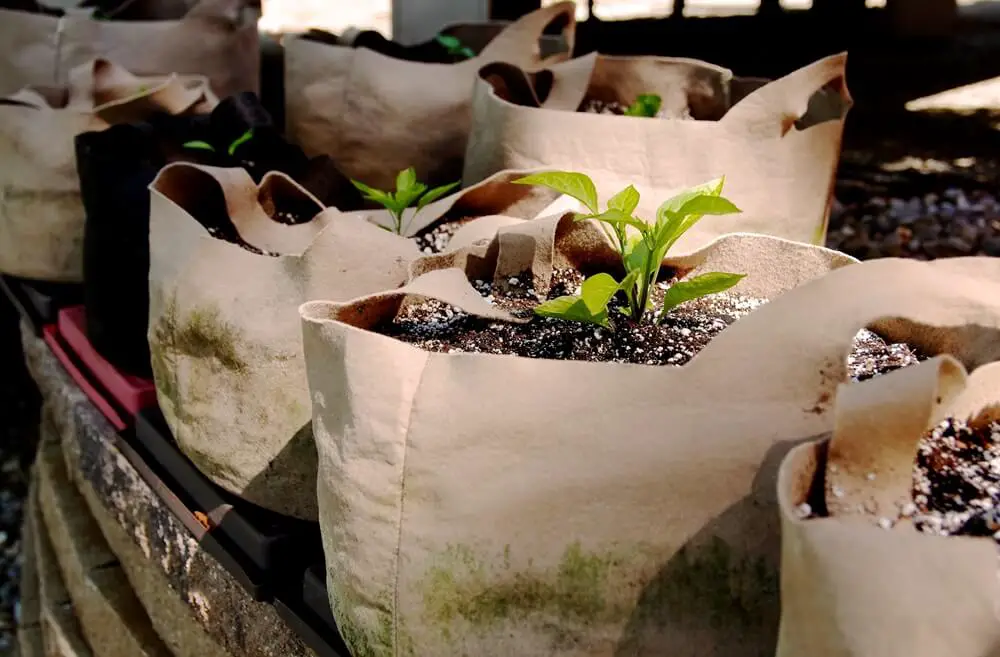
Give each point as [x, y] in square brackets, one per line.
[477, 504]
[375, 115]
[850, 588]
[224, 334]
[216, 38]
[41, 212]
[777, 143]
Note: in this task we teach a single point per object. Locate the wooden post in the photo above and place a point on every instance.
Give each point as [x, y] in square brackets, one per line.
[414, 21]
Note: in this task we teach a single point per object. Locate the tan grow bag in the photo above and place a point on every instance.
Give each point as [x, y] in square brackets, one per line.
[476, 504]
[41, 211]
[375, 115]
[849, 587]
[777, 143]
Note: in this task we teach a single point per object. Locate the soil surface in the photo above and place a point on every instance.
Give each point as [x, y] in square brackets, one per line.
[956, 480]
[436, 238]
[675, 340]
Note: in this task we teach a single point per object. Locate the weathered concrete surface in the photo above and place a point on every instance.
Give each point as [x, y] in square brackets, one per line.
[59, 629]
[113, 621]
[230, 616]
[29, 624]
[173, 621]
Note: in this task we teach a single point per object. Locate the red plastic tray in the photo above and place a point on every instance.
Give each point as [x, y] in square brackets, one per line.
[50, 334]
[130, 392]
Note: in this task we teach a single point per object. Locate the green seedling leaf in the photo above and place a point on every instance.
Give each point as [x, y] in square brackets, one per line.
[407, 197]
[577, 185]
[449, 42]
[705, 204]
[198, 145]
[675, 203]
[616, 218]
[645, 105]
[597, 291]
[239, 141]
[406, 179]
[435, 194]
[571, 308]
[590, 306]
[626, 200]
[382, 198]
[697, 287]
[454, 46]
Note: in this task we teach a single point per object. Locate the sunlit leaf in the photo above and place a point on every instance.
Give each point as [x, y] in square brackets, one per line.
[697, 287]
[571, 308]
[616, 218]
[406, 179]
[675, 203]
[626, 200]
[435, 194]
[597, 291]
[576, 185]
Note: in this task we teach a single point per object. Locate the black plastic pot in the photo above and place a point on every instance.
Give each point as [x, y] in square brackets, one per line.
[115, 168]
[38, 302]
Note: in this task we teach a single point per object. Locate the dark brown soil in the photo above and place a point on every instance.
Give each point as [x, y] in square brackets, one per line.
[687, 329]
[956, 480]
[436, 238]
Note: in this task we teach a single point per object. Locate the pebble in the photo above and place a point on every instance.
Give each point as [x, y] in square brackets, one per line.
[957, 223]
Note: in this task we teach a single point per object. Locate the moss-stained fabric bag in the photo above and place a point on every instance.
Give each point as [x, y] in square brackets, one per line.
[230, 262]
[849, 587]
[41, 211]
[375, 115]
[777, 143]
[479, 504]
[214, 38]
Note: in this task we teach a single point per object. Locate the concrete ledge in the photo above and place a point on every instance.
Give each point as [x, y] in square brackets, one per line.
[29, 623]
[58, 628]
[112, 620]
[211, 595]
[172, 619]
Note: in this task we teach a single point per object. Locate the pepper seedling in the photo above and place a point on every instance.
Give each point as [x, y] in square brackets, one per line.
[408, 191]
[199, 145]
[454, 46]
[645, 105]
[642, 249]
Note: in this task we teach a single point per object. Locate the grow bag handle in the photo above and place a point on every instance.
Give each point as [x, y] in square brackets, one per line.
[562, 87]
[796, 100]
[522, 36]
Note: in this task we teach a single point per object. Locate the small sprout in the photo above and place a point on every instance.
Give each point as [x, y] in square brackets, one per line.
[454, 46]
[239, 141]
[408, 191]
[645, 105]
[143, 89]
[199, 145]
[642, 250]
